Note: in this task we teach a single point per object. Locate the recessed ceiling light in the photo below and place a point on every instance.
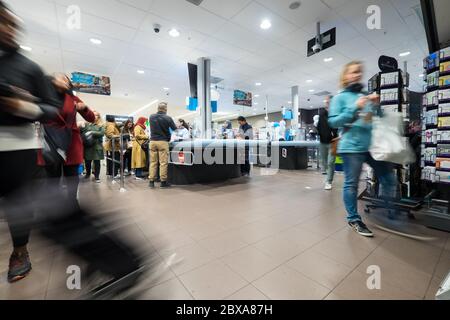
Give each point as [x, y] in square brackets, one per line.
[256, 103]
[421, 75]
[174, 33]
[309, 81]
[266, 24]
[311, 90]
[166, 89]
[254, 113]
[95, 41]
[25, 48]
[328, 59]
[256, 95]
[290, 102]
[141, 71]
[404, 54]
[258, 84]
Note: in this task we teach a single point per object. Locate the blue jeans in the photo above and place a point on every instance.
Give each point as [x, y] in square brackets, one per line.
[328, 161]
[352, 169]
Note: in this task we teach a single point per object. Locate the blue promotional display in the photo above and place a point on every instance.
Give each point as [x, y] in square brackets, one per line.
[193, 104]
[214, 106]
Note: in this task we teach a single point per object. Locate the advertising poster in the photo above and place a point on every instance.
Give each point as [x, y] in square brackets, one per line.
[241, 98]
[88, 83]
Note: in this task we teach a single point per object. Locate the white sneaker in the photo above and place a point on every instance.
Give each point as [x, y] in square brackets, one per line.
[328, 186]
[139, 179]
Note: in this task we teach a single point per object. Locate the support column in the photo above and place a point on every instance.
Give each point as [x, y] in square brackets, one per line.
[204, 96]
[295, 107]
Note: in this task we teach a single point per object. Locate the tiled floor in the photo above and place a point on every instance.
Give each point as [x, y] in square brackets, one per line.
[267, 237]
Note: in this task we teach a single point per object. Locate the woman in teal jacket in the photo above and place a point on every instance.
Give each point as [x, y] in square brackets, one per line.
[351, 111]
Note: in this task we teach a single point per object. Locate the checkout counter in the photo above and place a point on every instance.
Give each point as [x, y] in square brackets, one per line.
[207, 161]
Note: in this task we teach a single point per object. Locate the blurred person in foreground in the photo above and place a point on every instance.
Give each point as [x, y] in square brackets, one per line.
[160, 126]
[92, 134]
[327, 135]
[351, 111]
[139, 157]
[27, 96]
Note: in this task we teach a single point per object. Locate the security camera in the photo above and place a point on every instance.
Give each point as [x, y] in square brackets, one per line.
[157, 28]
[317, 47]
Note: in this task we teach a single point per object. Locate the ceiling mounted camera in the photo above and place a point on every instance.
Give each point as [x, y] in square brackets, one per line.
[157, 28]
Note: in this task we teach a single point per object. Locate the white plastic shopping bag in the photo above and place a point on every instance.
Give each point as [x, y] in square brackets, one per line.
[388, 142]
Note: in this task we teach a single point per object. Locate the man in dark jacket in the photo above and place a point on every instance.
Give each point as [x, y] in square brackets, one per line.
[326, 135]
[246, 133]
[160, 126]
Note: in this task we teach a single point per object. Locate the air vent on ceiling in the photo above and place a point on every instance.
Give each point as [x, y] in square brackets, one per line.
[196, 2]
[323, 93]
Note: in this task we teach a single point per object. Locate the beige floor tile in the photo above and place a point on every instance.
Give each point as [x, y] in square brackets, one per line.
[333, 296]
[223, 244]
[212, 281]
[349, 255]
[170, 290]
[349, 237]
[247, 293]
[250, 263]
[285, 283]
[187, 258]
[171, 240]
[412, 252]
[287, 245]
[354, 287]
[433, 289]
[403, 276]
[59, 267]
[63, 294]
[257, 231]
[325, 224]
[320, 268]
[202, 230]
[443, 267]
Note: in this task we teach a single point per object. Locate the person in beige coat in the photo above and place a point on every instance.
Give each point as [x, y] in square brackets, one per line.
[138, 155]
[112, 133]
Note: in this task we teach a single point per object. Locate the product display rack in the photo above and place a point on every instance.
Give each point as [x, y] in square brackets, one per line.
[394, 97]
[435, 154]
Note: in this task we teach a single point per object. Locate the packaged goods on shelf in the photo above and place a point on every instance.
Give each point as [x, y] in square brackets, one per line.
[433, 79]
[431, 98]
[431, 117]
[390, 108]
[389, 79]
[431, 136]
[443, 176]
[432, 61]
[444, 94]
[442, 163]
[430, 155]
[445, 66]
[445, 54]
[444, 108]
[444, 122]
[443, 136]
[443, 150]
[429, 174]
[389, 95]
[444, 81]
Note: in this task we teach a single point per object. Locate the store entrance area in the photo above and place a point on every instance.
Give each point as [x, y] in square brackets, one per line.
[241, 240]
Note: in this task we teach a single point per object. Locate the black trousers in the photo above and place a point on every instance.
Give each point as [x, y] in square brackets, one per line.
[97, 167]
[109, 163]
[71, 178]
[127, 159]
[17, 169]
[42, 204]
[245, 168]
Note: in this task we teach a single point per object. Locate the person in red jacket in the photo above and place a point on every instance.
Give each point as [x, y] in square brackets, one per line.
[67, 119]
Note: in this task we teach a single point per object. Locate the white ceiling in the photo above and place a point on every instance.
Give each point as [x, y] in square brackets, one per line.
[228, 32]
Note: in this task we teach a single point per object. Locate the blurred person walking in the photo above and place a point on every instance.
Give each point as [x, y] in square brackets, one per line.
[351, 111]
[26, 96]
[160, 126]
[139, 156]
[327, 135]
[92, 134]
